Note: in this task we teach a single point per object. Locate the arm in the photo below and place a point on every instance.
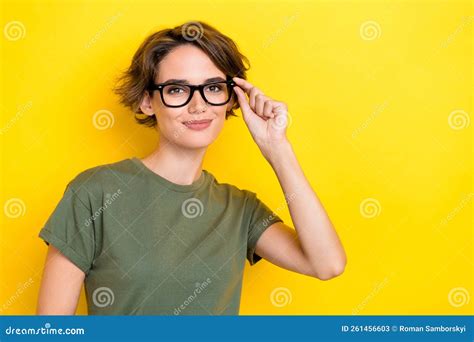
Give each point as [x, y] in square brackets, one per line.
[61, 285]
[314, 249]
[279, 245]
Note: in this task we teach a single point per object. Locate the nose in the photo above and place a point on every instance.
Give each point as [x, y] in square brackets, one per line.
[197, 103]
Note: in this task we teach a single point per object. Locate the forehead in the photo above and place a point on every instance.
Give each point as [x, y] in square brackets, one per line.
[187, 62]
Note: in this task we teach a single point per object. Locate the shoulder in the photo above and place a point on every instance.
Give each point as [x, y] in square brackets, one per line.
[94, 179]
[231, 191]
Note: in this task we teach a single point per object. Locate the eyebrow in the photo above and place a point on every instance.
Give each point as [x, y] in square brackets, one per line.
[182, 81]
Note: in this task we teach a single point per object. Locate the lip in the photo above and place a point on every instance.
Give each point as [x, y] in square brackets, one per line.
[197, 125]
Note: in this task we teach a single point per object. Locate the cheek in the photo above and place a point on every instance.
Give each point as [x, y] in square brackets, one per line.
[168, 122]
[218, 124]
[166, 115]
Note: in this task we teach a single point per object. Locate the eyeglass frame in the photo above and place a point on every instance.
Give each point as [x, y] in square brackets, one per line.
[159, 86]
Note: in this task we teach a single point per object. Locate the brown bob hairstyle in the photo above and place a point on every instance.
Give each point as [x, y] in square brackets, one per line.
[132, 84]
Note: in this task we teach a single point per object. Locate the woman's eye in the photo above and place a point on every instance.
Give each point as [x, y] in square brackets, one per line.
[175, 90]
[214, 88]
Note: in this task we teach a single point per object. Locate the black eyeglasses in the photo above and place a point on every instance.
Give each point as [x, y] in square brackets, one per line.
[178, 94]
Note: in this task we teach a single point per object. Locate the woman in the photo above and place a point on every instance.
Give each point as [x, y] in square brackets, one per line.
[160, 235]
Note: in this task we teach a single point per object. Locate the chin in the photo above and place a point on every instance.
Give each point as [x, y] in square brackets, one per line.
[193, 146]
[194, 140]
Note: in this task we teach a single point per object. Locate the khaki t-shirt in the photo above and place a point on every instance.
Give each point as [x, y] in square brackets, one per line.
[152, 247]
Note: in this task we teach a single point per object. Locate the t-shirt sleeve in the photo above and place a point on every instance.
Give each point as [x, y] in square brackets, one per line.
[261, 217]
[70, 229]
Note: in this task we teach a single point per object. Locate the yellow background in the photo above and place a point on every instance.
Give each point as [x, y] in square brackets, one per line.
[371, 112]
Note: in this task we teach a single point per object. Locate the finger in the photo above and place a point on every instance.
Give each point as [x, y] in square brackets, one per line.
[253, 93]
[259, 103]
[244, 84]
[279, 107]
[244, 105]
[268, 109]
[250, 89]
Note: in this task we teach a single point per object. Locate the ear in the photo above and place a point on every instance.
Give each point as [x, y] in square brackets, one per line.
[146, 105]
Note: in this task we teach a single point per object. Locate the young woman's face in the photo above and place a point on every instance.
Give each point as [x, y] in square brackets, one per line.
[188, 63]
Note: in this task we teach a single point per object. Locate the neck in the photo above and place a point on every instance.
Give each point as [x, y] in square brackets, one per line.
[176, 164]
